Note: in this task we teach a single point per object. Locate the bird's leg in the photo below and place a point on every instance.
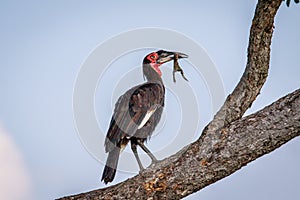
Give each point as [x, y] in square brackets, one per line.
[154, 160]
[133, 148]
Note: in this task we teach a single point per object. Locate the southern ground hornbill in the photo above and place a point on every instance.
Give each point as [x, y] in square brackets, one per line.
[136, 113]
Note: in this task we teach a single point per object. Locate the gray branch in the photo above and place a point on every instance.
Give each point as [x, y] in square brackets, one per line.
[234, 146]
[229, 141]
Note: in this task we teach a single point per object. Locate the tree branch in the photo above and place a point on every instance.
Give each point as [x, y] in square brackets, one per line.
[238, 144]
[257, 67]
[227, 142]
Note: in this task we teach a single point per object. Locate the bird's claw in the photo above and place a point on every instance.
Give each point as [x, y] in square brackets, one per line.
[154, 162]
[141, 170]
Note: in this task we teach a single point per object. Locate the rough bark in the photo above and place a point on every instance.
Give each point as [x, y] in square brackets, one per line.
[228, 142]
[257, 66]
[237, 144]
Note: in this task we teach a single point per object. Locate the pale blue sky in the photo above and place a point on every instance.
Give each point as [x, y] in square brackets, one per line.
[43, 46]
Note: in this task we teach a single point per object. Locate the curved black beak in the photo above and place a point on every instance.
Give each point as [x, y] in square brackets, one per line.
[166, 56]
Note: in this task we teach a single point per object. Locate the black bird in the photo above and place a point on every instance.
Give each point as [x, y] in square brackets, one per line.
[136, 113]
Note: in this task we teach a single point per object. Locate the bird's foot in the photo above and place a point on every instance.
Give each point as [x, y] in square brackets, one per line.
[154, 162]
[141, 170]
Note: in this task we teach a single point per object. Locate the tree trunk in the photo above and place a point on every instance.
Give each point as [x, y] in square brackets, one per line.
[229, 141]
[235, 145]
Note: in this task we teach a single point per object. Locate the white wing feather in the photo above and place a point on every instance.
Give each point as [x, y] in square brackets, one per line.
[147, 116]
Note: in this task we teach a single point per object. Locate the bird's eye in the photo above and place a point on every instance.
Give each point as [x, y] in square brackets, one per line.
[152, 57]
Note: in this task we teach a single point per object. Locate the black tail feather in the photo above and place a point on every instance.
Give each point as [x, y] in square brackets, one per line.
[109, 171]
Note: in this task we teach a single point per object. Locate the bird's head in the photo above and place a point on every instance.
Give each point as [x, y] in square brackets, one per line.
[156, 59]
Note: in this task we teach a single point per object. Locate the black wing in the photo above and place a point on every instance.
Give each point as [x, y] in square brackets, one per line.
[142, 101]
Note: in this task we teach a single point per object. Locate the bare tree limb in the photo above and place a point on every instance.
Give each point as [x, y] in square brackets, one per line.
[228, 142]
[238, 144]
[257, 67]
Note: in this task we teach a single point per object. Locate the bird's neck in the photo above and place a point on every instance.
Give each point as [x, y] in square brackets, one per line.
[151, 74]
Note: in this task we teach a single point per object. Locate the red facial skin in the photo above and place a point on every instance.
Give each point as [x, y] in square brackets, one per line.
[152, 58]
